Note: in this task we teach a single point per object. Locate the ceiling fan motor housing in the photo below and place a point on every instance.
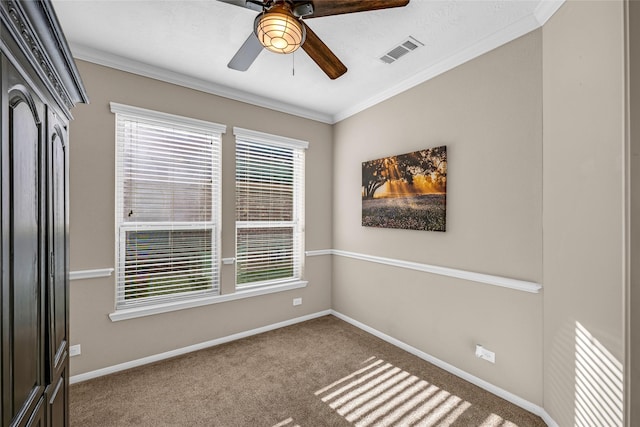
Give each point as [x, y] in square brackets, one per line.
[302, 9]
[280, 28]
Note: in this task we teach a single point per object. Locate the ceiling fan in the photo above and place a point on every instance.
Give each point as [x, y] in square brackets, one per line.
[279, 27]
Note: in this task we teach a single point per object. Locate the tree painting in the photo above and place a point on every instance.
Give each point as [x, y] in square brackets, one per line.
[407, 191]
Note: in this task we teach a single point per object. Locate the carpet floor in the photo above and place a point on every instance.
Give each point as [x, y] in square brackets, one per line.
[323, 372]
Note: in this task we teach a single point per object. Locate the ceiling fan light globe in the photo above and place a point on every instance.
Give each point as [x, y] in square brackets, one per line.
[279, 31]
[279, 43]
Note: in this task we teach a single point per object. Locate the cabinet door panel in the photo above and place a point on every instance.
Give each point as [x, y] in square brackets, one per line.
[58, 290]
[25, 252]
[58, 402]
[34, 417]
[58, 286]
[38, 419]
[39, 83]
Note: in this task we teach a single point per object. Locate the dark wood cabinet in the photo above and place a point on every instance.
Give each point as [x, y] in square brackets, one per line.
[40, 84]
[37, 418]
[57, 279]
[23, 293]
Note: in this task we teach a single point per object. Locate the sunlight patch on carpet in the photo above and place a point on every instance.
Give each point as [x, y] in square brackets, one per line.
[381, 395]
[494, 420]
[286, 423]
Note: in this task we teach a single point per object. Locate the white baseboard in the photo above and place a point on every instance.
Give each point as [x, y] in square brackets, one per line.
[184, 350]
[506, 395]
[547, 419]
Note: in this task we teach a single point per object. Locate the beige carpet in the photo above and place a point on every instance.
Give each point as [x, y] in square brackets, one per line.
[323, 372]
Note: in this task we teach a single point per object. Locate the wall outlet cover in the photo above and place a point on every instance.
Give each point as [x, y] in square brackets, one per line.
[75, 350]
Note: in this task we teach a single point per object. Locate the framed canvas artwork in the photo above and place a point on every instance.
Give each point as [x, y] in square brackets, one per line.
[407, 191]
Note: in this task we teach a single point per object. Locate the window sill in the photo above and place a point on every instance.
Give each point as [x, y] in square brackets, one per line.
[132, 313]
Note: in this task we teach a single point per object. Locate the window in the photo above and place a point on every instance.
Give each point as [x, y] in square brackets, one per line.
[167, 207]
[269, 208]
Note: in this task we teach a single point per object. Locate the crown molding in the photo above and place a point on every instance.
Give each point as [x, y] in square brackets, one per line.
[495, 40]
[106, 59]
[542, 13]
[546, 9]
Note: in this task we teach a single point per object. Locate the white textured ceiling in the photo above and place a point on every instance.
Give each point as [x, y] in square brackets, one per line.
[190, 42]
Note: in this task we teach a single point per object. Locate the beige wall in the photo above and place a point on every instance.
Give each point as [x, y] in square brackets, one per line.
[489, 114]
[106, 343]
[583, 83]
[535, 137]
[634, 46]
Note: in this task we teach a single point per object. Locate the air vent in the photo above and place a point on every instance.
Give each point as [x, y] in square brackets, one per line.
[408, 45]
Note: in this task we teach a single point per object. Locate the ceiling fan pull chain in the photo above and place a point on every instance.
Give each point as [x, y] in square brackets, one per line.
[293, 68]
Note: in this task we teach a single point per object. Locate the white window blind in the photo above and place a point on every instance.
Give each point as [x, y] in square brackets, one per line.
[269, 208]
[167, 207]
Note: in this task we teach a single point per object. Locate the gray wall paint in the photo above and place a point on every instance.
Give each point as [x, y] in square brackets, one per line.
[634, 158]
[92, 184]
[489, 114]
[583, 81]
[526, 125]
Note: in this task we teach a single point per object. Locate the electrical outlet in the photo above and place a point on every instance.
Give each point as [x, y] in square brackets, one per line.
[297, 301]
[75, 350]
[485, 354]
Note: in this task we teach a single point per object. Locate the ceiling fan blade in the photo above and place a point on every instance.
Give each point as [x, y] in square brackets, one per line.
[244, 3]
[247, 53]
[322, 55]
[338, 7]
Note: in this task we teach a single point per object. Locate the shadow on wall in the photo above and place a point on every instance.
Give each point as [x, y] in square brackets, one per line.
[599, 383]
[596, 376]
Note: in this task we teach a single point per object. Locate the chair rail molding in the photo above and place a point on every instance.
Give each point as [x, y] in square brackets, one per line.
[90, 274]
[489, 279]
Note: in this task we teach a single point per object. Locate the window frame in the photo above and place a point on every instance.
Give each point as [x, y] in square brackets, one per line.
[154, 303]
[297, 223]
